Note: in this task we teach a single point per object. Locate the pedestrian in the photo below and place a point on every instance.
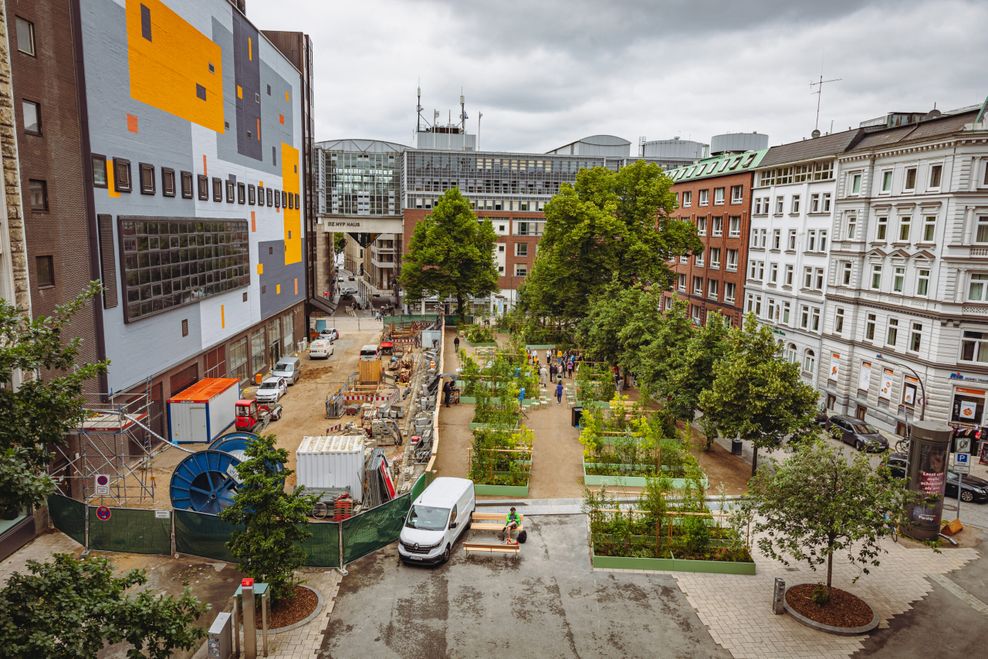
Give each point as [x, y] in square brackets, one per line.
[456, 343]
[552, 372]
[569, 369]
[559, 393]
[548, 356]
[543, 375]
[447, 391]
[521, 396]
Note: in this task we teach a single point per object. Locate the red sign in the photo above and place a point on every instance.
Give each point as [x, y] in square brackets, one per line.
[102, 513]
[247, 582]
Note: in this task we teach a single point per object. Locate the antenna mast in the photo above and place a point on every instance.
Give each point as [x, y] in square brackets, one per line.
[418, 109]
[819, 94]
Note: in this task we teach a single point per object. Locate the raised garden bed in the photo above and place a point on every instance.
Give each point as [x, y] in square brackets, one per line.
[844, 614]
[671, 565]
[482, 490]
[632, 479]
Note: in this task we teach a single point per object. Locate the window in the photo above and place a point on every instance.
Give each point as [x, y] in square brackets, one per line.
[25, 35]
[715, 257]
[850, 225]
[147, 178]
[203, 185]
[882, 228]
[922, 282]
[787, 281]
[936, 172]
[904, 223]
[823, 240]
[807, 277]
[121, 175]
[811, 240]
[779, 205]
[712, 289]
[737, 194]
[870, 323]
[38, 194]
[845, 273]
[186, 185]
[269, 197]
[701, 226]
[898, 278]
[773, 273]
[839, 320]
[892, 333]
[687, 199]
[45, 266]
[698, 285]
[804, 316]
[99, 171]
[185, 327]
[794, 204]
[230, 187]
[521, 249]
[699, 258]
[791, 240]
[856, 183]
[682, 283]
[251, 194]
[916, 337]
[815, 203]
[981, 230]
[929, 228]
[718, 228]
[719, 196]
[886, 181]
[704, 197]
[695, 314]
[734, 226]
[728, 292]
[32, 117]
[786, 311]
[910, 184]
[974, 347]
[167, 181]
[732, 260]
[977, 287]
[790, 353]
[773, 310]
[809, 362]
[776, 238]
[876, 276]
[217, 189]
[241, 193]
[826, 202]
[521, 270]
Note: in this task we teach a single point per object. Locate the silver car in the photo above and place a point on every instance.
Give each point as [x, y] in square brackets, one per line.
[271, 390]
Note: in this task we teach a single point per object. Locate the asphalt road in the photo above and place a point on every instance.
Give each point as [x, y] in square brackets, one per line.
[548, 602]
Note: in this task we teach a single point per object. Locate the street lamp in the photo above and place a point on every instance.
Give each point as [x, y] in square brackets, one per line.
[922, 389]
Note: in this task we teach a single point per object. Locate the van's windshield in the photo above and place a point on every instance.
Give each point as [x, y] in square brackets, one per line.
[427, 518]
[283, 366]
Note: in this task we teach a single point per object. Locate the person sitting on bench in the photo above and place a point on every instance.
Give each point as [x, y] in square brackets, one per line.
[511, 523]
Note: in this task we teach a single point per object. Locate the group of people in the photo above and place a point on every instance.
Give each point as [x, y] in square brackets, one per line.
[558, 365]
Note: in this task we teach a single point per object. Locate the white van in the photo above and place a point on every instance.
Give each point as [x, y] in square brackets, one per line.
[436, 519]
[369, 351]
[289, 368]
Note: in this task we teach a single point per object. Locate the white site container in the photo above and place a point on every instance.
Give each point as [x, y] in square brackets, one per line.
[203, 411]
[331, 461]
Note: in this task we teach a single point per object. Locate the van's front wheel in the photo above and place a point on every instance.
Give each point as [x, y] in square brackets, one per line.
[446, 554]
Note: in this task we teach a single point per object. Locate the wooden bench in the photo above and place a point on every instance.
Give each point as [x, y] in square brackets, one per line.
[492, 521]
[489, 548]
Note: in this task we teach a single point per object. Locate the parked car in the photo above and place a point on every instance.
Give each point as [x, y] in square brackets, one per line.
[289, 368]
[321, 349]
[973, 489]
[329, 333]
[271, 390]
[436, 519]
[859, 434]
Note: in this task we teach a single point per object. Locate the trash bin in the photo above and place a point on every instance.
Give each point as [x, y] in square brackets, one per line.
[577, 416]
[736, 447]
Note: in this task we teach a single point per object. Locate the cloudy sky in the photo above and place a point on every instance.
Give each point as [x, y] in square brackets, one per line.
[547, 72]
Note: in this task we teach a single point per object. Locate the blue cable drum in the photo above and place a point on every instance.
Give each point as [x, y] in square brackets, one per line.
[234, 443]
[204, 482]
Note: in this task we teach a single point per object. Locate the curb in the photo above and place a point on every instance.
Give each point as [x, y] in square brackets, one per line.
[307, 619]
[840, 631]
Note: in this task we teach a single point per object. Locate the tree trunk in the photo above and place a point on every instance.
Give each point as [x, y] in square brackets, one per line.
[754, 458]
[459, 307]
[830, 569]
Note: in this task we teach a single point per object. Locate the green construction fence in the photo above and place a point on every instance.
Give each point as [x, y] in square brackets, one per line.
[130, 529]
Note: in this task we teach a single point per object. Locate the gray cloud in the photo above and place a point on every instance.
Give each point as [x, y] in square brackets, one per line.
[545, 73]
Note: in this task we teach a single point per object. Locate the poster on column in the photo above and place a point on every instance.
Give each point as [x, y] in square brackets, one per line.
[864, 376]
[909, 387]
[885, 391]
[834, 365]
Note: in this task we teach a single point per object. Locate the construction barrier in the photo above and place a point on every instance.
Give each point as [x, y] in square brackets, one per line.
[130, 529]
[374, 528]
[68, 516]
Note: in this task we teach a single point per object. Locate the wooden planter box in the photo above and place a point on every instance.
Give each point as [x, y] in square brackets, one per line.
[594, 480]
[494, 426]
[520, 491]
[671, 564]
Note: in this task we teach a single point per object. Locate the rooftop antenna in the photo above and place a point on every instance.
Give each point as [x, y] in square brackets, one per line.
[463, 112]
[480, 115]
[418, 108]
[819, 94]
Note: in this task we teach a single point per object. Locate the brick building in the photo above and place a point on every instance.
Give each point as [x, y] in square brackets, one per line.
[715, 195]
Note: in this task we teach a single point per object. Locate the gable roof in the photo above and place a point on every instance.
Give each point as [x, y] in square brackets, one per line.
[719, 165]
[811, 149]
[924, 130]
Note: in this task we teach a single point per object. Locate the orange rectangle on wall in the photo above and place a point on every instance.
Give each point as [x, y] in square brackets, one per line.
[292, 216]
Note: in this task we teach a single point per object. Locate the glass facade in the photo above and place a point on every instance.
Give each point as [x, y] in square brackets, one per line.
[363, 183]
[171, 262]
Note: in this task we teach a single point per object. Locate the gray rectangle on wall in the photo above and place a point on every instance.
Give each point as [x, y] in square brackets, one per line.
[107, 261]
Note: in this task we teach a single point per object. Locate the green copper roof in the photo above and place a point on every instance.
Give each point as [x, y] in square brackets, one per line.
[721, 165]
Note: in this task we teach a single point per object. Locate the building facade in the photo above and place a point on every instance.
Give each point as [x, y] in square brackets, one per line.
[715, 196]
[905, 332]
[789, 243]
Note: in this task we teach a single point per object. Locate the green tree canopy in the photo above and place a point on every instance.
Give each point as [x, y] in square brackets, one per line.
[695, 373]
[35, 417]
[817, 504]
[755, 394]
[268, 547]
[662, 357]
[451, 253]
[69, 608]
[620, 321]
[609, 226]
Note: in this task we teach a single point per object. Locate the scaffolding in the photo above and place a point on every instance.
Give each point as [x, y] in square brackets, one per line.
[108, 458]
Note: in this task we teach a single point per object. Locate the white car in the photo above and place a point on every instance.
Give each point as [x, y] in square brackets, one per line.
[329, 333]
[321, 349]
[271, 390]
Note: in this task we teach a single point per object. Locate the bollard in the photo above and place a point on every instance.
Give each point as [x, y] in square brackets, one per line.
[250, 626]
[220, 640]
[778, 596]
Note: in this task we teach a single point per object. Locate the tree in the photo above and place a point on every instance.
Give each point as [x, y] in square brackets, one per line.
[817, 504]
[755, 394]
[705, 348]
[620, 321]
[35, 417]
[451, 254]
[339, 243]
[609, 226]
[268, 547]
[656, 363]
[69, 607]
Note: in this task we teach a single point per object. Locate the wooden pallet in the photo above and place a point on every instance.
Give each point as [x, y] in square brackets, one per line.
[490, 548]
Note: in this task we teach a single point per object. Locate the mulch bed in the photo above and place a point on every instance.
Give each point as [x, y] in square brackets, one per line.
[843, 609]
[292, 609]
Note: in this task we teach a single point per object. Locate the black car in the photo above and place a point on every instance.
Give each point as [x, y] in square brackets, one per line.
[973, 489]
[859, 434]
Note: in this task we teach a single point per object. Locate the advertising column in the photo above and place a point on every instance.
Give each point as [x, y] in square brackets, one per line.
[928, 447]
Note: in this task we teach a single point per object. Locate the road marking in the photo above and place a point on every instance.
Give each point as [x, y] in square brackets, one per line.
[960, 593]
